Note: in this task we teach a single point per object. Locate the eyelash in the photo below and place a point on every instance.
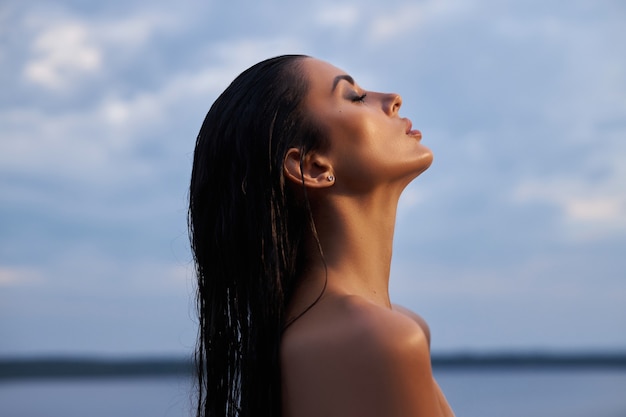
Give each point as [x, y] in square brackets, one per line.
[359, 98]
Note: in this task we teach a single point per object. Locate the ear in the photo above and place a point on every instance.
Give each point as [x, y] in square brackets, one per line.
[315, 170]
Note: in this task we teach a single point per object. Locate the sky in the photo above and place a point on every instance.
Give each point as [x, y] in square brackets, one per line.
[513, 240]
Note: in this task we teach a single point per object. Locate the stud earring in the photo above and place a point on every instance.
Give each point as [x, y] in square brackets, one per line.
[330, 178]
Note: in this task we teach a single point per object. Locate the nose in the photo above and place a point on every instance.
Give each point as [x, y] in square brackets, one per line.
[393, 103]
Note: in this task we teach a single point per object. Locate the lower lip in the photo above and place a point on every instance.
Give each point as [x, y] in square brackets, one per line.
[415, 133]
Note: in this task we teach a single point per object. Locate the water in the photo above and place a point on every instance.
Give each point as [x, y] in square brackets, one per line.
[129, 397]
[472, 393]
[535, 393]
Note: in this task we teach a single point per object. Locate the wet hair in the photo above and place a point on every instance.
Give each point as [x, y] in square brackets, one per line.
[247, 231]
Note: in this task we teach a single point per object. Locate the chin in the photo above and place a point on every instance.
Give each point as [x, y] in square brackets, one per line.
[426, 161]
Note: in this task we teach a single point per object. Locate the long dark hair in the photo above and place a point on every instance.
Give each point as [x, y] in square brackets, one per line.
[247, 230]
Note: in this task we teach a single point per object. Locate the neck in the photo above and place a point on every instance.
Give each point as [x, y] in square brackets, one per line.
[356, 236]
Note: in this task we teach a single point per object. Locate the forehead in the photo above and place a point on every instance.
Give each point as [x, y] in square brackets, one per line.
[322, 76]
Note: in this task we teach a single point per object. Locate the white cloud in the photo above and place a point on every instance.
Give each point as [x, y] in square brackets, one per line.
[340, 16]
[596, 210]
[67, 48]
[14, 276]
[413, 16]
[396, 24]
[590, 210]
[62, 53]
[135, 31]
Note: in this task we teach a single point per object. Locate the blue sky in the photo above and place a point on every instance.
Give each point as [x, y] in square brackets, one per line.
[514, 239]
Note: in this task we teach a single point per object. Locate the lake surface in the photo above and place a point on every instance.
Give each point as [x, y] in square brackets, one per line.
[535, 393]
[471, 392]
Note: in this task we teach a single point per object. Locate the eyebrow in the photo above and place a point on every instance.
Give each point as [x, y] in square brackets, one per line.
[342, 77]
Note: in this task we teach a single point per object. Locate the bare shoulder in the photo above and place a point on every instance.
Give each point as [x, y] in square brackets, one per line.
[353, 325]
[354, 358]
[381, 331]
[416, 318]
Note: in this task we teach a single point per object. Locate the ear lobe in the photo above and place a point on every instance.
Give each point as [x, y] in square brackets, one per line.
[315, 170]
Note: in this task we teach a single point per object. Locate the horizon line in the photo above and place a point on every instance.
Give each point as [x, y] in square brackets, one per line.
[64, 367]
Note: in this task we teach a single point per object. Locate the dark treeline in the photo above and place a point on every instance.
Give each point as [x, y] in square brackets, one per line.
[92, 367]
[530, 360]
[55, 367]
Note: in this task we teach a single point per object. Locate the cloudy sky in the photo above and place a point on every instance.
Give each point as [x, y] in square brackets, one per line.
[514, 239]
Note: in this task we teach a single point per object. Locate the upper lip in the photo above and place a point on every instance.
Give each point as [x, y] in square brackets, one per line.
[409, 126]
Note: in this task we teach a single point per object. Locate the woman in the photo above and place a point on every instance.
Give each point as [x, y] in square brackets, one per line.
[296, 178]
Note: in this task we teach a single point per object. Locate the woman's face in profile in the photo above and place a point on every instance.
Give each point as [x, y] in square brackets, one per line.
[369, 143]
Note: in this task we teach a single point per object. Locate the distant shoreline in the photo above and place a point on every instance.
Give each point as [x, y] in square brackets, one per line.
[529, 360]
[96, 367]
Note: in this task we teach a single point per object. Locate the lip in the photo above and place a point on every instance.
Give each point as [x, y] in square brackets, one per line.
[412, 132]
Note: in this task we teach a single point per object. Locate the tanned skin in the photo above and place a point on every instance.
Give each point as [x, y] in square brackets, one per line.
[353, 353]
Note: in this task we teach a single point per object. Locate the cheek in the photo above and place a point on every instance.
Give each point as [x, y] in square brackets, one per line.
[360, 162]
[356, 140]
[353, 132]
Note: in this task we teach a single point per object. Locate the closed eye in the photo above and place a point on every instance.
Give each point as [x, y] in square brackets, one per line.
[359, 98]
